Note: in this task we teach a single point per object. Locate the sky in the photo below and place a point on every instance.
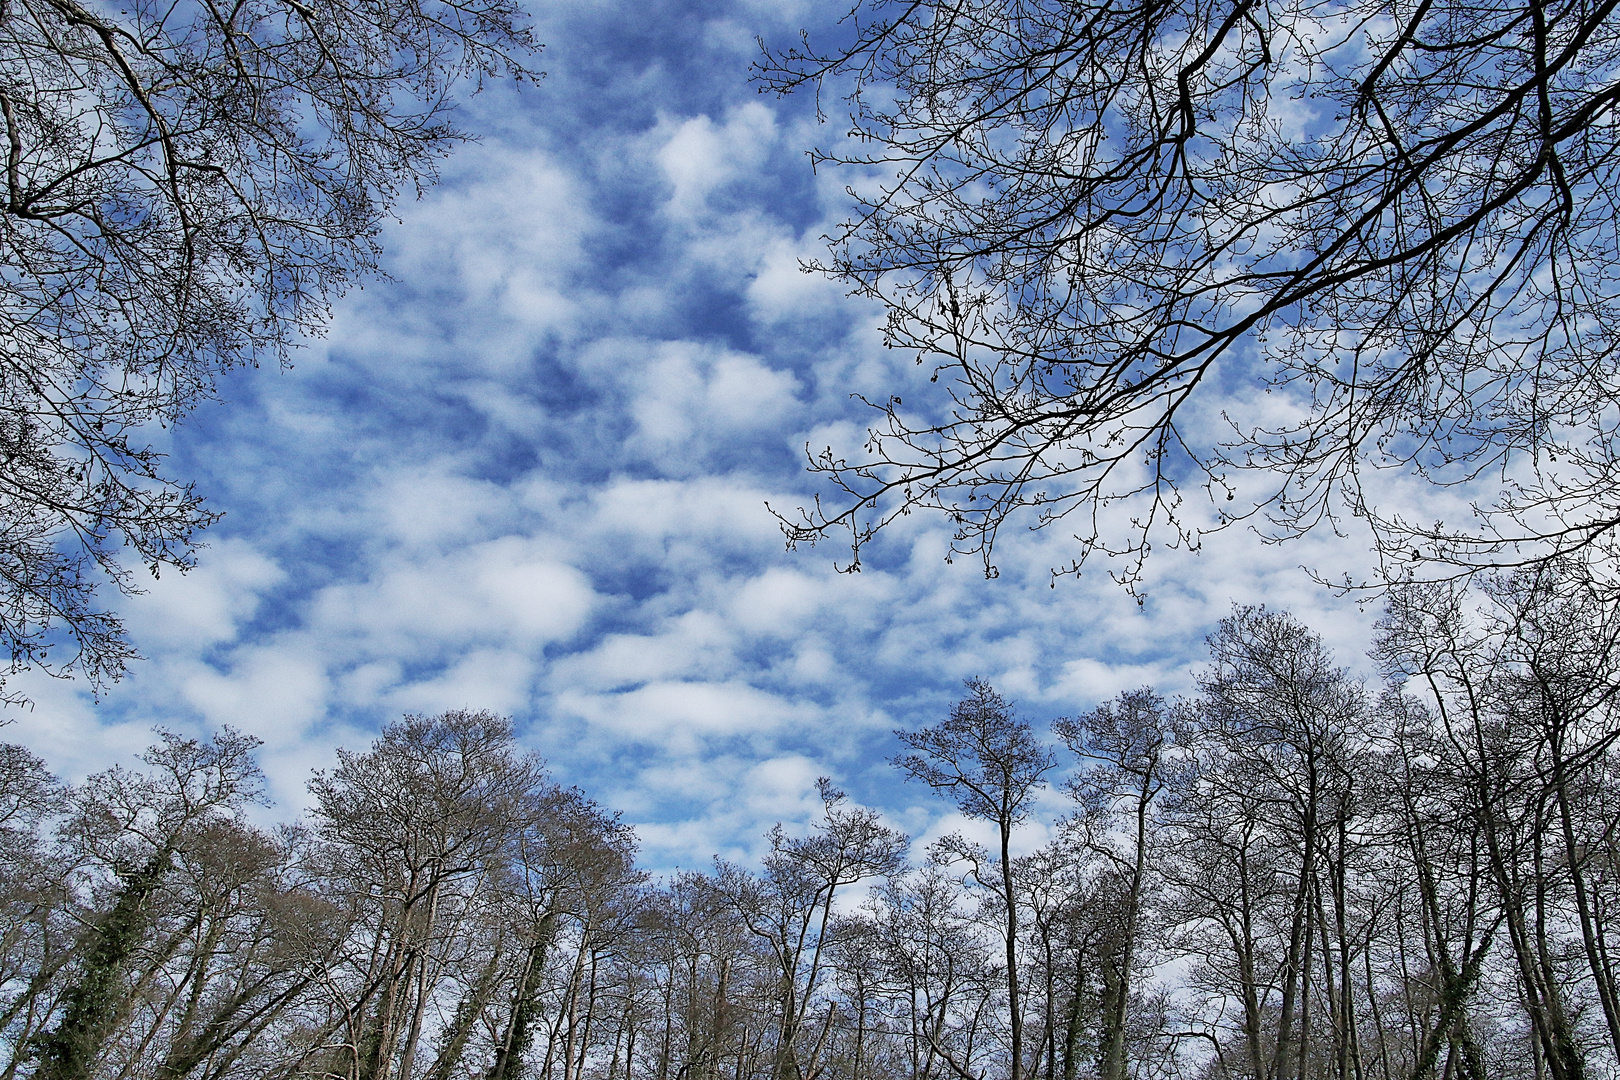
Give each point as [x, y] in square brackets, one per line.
[528, 472]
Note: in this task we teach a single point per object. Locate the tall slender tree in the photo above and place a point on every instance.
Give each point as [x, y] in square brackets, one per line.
[991, 764]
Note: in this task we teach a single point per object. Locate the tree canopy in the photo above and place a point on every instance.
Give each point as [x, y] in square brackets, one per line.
[1284, 875]
[1088, 215]
[187, 188]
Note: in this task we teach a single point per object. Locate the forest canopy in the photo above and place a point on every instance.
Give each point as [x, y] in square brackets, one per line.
[1286, 875]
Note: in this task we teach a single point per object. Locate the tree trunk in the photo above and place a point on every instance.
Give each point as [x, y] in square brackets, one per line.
[525, 1004]
[93, 1003]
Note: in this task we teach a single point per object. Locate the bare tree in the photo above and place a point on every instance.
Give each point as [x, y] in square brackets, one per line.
[1397, 218]
[790, 908]
[991, 764]
[1522, 690]
[131, 833]
[1271, 879]
[1440, 885]
[1078, 912]
[1285, 724]
[573, 864]
[38, 925]
[417, 826]
[186, 188]
[934, 987]
[1128, 744]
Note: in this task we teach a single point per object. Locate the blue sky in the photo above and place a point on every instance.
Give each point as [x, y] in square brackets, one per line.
[529, 471]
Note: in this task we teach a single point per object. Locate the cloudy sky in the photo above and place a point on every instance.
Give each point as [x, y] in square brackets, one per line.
[529, 472]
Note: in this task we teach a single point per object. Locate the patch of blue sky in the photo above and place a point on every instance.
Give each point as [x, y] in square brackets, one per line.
[529, 472]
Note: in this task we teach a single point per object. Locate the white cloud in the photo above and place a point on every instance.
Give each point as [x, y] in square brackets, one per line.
[778, 603]
[1088, 681]
[275, 690]
[191, 611]
[675, 714]
[430, 506]
[781, 292]
[497, 590]
[687, 399]
[706, 517]
[497, 680]
[698, 156]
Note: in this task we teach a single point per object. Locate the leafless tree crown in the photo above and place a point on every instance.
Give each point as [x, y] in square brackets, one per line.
[1279, 877]
[1087, 216]
[186, 188]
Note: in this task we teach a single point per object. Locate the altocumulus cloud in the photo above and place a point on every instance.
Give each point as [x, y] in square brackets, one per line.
[529, 473]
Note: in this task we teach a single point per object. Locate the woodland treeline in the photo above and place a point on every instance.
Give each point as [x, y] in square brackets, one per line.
[1287, 874]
